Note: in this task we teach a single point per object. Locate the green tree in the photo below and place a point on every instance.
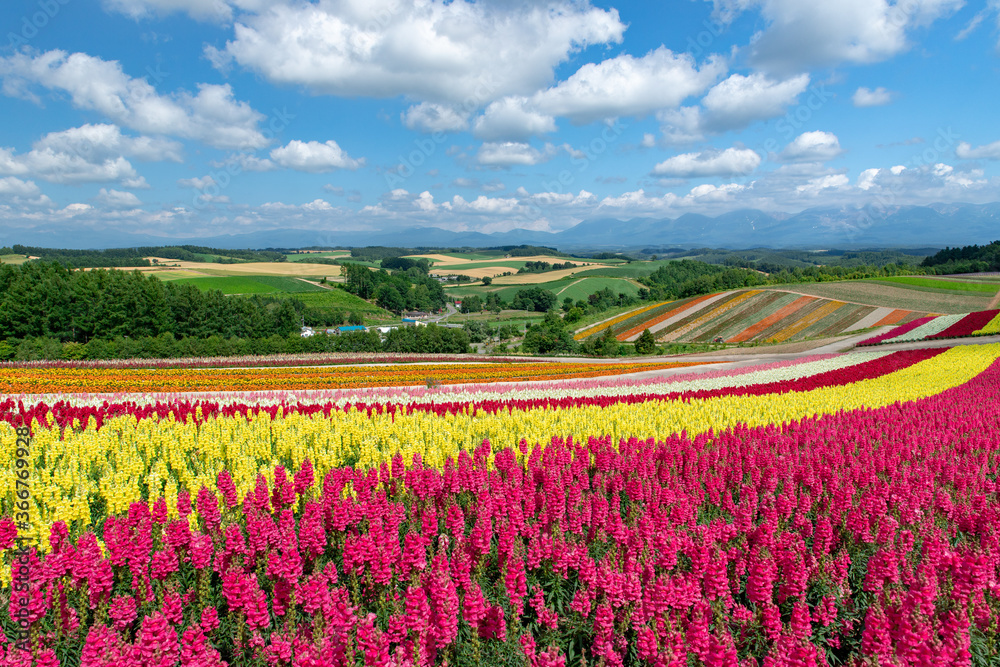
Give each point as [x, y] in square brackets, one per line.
[645, 344]
[549, 336]
[472, 304]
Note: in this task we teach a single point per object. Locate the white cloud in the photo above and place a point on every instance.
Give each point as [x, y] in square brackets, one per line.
[866, 180]
[864, 97]
[15, 187]
[628, 86]
[117, 199]
[831, 181]
[510, 153]
[510, 120]
[812, 147]
[730, 162]
[203, 10]
[211, 116]
[95, 142]
[801, 35]
[740, 100]
[733, 104]
[461, 52]
[430, 117]
[965, 151]
[313, 156]
[198, 182]
[707, 192]
[58, 167]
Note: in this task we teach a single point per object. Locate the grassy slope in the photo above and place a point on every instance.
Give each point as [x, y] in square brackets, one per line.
[229, 285]
[938, 284]
[13, 259]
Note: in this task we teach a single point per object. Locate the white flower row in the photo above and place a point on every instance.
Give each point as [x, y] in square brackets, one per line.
[690, 381]
[935, 326]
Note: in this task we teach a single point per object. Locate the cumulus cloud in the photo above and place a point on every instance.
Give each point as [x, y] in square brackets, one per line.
[430, 117]
[15, 187]
[733, 104]
[66, 168]
[211, 116]
[863, 97]
[730, 162]
[435, 51]
[95, 142]
[628, 86]
[510, 153]
[800, 35]
[313, 156]
[509, 119]
[966, 151]
[117, 199]
[812, 147]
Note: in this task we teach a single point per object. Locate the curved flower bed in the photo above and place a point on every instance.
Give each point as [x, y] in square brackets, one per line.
[868, 535]
[944, 326]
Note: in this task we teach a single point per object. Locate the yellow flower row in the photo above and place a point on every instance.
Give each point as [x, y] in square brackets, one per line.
[992, 327]
[128, 459]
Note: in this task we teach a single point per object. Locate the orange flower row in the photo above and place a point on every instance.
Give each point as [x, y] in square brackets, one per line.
[127, 380]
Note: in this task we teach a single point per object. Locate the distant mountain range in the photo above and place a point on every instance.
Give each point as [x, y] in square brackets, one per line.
[935, 225]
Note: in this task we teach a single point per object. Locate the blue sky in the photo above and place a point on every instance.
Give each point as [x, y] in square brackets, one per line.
[203, 117]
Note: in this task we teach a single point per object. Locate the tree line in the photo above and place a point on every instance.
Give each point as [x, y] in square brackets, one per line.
[967, 259]
[40, 299]
[136, 257]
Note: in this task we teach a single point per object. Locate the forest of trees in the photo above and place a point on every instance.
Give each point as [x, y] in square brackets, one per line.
[47, 299]
[967, 259]
[397, 292]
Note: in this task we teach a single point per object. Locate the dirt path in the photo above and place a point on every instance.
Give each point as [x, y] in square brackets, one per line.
[568, 286]
[994, 302]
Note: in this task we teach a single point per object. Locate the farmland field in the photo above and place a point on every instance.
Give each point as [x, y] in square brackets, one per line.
[250, 284]
[892, 296]
[738, 512]
[941, 284]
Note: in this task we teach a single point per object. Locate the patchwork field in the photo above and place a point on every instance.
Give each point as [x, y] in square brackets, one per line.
[771, 316]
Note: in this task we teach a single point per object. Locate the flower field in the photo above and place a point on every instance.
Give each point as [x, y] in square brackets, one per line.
[54, 380]
[834, 509]
[772, 316]
[979, 323]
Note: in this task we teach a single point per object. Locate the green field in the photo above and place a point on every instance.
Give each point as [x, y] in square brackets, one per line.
[939, 284]
[633, 270]
[579, 289]
[229, 284]
[308, 257]
[506, 263]
[250, 284]
[338, 299]
[573, 287]
[13, 259]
